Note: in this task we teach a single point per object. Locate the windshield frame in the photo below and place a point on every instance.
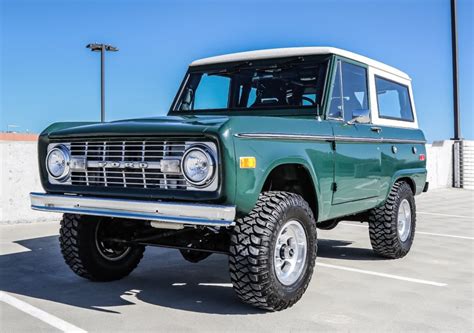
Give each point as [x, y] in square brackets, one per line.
[306, 110]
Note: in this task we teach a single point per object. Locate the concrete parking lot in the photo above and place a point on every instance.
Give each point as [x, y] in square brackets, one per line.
[351, 290]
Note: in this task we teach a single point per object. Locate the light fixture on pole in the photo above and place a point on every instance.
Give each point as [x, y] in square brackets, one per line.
[102, 48]
[11, 126]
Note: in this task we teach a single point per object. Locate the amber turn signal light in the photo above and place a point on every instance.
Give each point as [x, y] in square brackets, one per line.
[248, 162]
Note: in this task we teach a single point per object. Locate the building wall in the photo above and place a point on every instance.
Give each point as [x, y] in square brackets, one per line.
[19, 177]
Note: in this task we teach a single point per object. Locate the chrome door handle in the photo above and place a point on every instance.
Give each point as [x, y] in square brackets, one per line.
[376, 129]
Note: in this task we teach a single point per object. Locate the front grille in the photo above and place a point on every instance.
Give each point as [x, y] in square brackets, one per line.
[141, 157]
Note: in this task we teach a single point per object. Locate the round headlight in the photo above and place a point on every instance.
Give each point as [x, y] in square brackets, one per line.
[57, 162]
[198, 166]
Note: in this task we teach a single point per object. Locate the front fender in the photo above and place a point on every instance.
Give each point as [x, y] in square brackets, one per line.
[316, 158]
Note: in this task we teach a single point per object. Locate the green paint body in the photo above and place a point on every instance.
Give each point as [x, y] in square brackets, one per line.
[364, 171]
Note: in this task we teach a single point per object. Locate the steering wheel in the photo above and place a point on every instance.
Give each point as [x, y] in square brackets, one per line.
[307, 99]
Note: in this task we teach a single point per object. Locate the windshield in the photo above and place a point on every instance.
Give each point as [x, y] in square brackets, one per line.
[294, 84]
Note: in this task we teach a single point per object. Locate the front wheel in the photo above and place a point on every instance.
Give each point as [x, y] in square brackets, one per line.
[392, 226]
[273, 251]
[88, 250]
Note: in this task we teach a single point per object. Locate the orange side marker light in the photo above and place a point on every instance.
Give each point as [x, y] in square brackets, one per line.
[248, 162]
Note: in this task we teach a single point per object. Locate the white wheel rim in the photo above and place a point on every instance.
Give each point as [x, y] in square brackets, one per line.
[404, 220]
[290, 252]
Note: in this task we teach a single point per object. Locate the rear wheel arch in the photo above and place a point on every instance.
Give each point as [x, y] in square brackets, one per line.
[295, 178]
[414, 177]
[407, 180]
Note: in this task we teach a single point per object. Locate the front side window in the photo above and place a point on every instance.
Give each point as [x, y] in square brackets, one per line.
[293, 84]
[349, 95]
[393, 100]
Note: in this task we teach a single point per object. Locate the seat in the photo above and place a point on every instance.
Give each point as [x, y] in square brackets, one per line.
[270, 92]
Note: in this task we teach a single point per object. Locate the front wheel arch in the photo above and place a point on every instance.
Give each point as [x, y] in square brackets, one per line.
[300, 172]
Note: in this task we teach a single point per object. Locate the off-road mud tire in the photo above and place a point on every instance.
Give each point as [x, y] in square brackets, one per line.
[252, 249]
[384, 235]
[78, 247]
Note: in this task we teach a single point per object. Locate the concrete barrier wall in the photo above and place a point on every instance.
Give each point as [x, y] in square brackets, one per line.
[439, 162]
[19, 177]
[467, 164]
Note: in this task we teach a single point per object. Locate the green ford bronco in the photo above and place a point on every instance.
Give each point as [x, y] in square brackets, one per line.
[258, 150]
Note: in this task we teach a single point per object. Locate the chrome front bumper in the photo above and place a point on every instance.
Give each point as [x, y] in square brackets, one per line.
[167, 212]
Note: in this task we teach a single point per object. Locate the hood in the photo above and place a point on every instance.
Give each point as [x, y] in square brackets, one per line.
[174, 125]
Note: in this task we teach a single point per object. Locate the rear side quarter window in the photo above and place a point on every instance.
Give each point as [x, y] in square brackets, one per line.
[393, 100]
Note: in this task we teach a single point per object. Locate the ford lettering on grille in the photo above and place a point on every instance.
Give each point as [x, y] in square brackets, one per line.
[126, 163]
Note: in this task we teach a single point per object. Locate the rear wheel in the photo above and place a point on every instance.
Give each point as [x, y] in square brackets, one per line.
[89, 250]
[392, 226]
[273, 251]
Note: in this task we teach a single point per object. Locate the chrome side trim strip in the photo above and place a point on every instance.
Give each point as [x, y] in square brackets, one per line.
[377, 140]
[413, 141]
[170, 212]
[285, 136]
[305, 137]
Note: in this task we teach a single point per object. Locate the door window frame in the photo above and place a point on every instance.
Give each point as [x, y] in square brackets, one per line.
[331, 82]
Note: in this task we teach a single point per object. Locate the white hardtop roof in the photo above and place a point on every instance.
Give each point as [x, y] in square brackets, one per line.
[297, 51]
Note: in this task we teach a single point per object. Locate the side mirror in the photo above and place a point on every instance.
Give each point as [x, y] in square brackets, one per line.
[360, 116]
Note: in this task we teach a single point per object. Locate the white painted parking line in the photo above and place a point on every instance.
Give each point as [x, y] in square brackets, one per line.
[443, 235]
[227, 285]
[447, 215]
[390, 276]
[417, 232]
[355, 225]
[38, 313]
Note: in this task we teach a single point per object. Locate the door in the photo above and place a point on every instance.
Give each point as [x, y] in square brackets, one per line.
[357, 158]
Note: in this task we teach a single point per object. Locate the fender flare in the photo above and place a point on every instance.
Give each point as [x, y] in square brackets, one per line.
[307, 166]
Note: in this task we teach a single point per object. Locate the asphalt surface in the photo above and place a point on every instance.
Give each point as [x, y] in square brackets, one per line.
[352, 289]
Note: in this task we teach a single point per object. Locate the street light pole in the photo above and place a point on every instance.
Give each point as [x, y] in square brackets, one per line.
[102, 48]
[454, 46]
[102, 83]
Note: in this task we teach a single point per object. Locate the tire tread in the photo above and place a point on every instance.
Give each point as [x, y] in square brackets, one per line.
[383, 223]
[73, 251]
[250, 243]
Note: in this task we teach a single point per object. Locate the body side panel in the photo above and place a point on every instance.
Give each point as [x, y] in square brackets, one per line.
[402, 159]
[291, 141]
[399, 159]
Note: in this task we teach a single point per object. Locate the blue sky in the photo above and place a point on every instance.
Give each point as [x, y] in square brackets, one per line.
[48, 75]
